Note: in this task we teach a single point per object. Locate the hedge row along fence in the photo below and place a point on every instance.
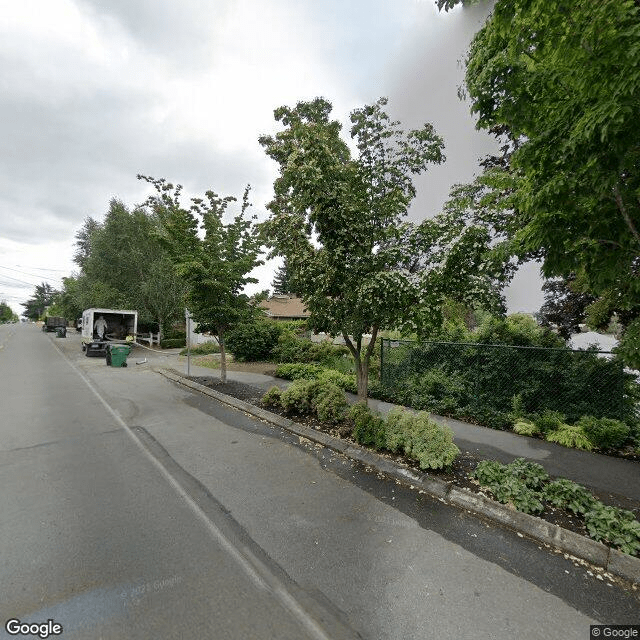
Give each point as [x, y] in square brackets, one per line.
[481, 381]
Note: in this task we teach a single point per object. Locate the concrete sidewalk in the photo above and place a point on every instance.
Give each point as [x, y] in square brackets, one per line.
[616, 477]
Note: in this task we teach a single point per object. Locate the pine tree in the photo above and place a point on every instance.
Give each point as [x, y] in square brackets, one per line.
[282, 281]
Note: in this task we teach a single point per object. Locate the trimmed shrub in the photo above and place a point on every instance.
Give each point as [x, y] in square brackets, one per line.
[299, 371]
[525, 427]
[604, 433]
[345, 381]
[616, 526]
[431, 444]
[273, 397]
[395, 429]
[329, 402]
[570, 436]
[253, 341]
[566, 494]
[297, 398]
[292, 348]
[368, 428]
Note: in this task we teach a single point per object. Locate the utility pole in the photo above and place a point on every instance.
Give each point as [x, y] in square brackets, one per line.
[188, 323]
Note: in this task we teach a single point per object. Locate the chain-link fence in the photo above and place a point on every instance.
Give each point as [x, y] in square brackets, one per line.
[480, 381]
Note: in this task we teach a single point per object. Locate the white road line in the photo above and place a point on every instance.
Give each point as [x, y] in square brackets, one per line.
[248, 564]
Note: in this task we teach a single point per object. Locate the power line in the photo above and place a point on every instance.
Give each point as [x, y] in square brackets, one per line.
[8, 284]
[25, 273]
[42, 269]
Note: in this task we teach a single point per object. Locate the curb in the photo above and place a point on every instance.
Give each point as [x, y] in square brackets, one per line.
[596, 553]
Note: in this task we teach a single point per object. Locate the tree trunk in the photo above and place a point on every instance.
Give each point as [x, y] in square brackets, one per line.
[223, 357]
[362, 368]
[362, 361]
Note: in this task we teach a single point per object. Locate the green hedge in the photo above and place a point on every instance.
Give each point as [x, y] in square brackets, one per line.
[172, 343]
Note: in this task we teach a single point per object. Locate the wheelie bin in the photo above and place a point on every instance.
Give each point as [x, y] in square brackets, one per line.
[117, 355]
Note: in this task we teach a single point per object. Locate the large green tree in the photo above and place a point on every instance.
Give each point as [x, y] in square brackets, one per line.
[337, 218]
[6, 313]
[559, 83]
[565, 305]
[42, 297]
[282, 283]
[124, 265]
[214, 264]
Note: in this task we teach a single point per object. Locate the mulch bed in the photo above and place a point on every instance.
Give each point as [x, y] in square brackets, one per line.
[458, 473]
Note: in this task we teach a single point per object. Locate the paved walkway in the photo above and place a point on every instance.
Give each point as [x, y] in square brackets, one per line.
[616, 477]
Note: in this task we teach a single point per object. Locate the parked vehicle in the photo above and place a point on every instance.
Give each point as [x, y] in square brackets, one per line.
[51, 323]
[104, 327]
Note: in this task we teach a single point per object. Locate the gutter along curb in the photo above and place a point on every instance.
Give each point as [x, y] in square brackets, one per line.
[596, 553]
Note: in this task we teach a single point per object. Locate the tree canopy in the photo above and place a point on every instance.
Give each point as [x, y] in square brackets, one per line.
[42, 297]
[337, 218]
[123, 265]
[559, 84]
[6, 313]
[215, 265]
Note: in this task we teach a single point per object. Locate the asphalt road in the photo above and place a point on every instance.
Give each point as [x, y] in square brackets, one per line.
[133, 508]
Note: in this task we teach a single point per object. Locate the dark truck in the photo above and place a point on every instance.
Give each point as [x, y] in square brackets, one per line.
[51, 323]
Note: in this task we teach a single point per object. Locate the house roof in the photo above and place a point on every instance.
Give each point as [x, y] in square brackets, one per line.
[284, 307]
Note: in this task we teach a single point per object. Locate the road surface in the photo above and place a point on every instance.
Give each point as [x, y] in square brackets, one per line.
[133, 508]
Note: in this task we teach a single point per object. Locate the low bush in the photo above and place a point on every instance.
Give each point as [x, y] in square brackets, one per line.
[172, 343]
[429, 443]
[345, 381]
[604, 433]
[273, 397]
[570, 436]
[525, 427]
[532, 474]
[514, 483]
[489, 473]
[297, 398]
[253, 341]
[514, 491]
[566, 494]
[175, 335]
[291, 348]
[299, 371]
[436, 391]
[325, 399]
[395, 429]
[368, 428]
[329, 402]
[616, 526]
[548, 421]
[203, 349]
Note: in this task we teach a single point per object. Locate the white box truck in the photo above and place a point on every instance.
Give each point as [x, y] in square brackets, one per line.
[102, 327]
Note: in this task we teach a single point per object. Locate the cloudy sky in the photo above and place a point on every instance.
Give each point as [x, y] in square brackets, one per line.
[94, 92]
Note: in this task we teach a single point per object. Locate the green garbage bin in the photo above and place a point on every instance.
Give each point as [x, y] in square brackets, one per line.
[61, 332]
[117, 355]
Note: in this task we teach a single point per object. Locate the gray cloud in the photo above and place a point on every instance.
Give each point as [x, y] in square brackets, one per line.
[183, 90]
